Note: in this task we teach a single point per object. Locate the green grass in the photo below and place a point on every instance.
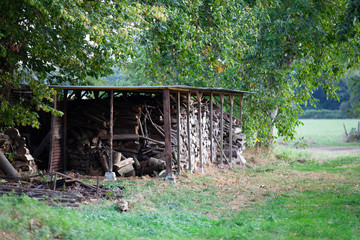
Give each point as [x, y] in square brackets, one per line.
[309, 215]
[326, 132]
[299, 200]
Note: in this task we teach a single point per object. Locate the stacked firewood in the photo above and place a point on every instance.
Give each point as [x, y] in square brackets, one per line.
[13, 145]
[138, 140]
[135, 142]
[196, 161]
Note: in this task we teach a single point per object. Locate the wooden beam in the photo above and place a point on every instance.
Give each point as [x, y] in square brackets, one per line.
[52, 132]
[167, 130]
[96, 94]
[240, 110]
[103, 94]
[78, 94]
[178, 131]
[199, 96]
[211, 127]
[231, 103]
[221, 127]
[65, 129]
[111, 130]
[188, 129]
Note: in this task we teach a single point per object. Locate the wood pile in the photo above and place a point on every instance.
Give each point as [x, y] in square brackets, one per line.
[13, 145]
[238, 137]
[57, 188]
[138, 146]
[135, 142]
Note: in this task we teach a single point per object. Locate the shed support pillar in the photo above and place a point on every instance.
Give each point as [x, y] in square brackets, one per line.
[167, 131]
[199, 96]
[211, 128]
[240, 110]
[110, 175]
[178, 132]
[221, 128]
[231, 101]
[188, 130]
[65, 130]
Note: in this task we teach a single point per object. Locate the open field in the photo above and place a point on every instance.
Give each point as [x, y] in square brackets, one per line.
[284, 196]
[324, 132]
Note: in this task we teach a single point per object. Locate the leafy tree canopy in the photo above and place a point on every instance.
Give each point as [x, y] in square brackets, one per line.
[282, 50]
[57, 42]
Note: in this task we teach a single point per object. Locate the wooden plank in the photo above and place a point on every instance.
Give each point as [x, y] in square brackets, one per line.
[167, 130]
[188, 129]
[211, 127]
[221, 127]
[231, 103]
[199, 97]
[111, 130]
[122, 137]
[65, 129]
[178, 132]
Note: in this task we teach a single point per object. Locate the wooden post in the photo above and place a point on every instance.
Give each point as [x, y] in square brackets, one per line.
[97, 186]
[52, 132]
[178, 132]
[211, 127]
[231, 101]
[55, 180]
[240, 110]
[221, 127]
[65, 129]
[199, 96]
[96, 94]
[188, 129]
[167, 130]
[111, 130]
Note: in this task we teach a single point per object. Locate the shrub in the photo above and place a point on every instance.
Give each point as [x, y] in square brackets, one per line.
[324, 114]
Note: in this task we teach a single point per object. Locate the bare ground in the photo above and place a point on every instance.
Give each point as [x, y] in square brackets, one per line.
[335, 150]
[328, 153]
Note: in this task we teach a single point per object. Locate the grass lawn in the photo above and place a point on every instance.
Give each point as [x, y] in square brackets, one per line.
[288, 194]
[280, 198]
[326, 132]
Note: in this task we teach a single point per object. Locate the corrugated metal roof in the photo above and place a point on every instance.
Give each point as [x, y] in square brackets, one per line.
[175, 88]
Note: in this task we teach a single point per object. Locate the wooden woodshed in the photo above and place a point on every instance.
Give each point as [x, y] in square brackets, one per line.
[186, 126]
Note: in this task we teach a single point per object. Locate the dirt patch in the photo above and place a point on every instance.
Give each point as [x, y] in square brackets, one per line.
[327, 153]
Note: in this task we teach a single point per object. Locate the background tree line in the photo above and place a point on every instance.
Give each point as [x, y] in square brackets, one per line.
[282, 50]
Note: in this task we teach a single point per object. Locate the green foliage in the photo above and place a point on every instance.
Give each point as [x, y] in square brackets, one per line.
[324, 114]
[57, 42]
[354, 86]
[281, 50]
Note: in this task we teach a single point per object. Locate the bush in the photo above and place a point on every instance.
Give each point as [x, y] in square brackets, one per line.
[324, 114]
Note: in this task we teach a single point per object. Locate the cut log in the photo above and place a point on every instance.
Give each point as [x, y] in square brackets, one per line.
[136, 163]
[116, 157]
[122, 164]
[104, 162]
[126, 171]
[154, 162]
[6, 167]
